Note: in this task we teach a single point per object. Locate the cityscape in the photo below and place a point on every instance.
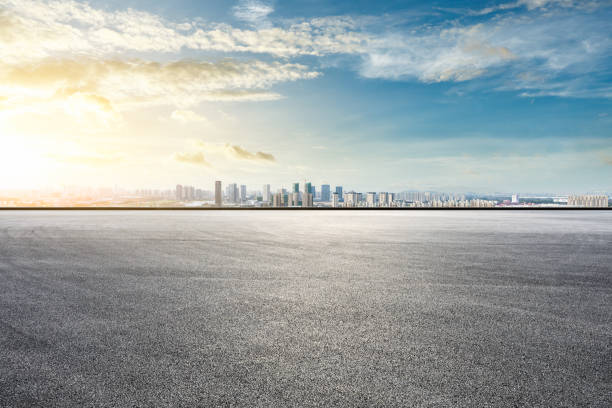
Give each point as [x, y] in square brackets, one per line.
[297, 195]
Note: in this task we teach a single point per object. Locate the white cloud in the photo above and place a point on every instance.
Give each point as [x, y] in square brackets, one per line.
[236, 152]
[555, 41]
[111, 84]
[252, 11]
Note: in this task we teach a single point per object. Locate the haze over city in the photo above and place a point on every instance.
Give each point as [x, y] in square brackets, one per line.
[454, 96]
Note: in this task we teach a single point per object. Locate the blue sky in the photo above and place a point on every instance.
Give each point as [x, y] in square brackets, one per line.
[387, 95]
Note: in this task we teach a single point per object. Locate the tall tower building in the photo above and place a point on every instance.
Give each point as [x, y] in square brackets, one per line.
[339, 192]
[325, 196]
[371, 199]
[266, 193]
[178, 193]
[232, 193]
[385, 199]
[243, 193]
[307, 195]
[218, 194]
[335, 200]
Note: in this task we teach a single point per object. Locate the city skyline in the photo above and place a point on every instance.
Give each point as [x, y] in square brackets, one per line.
[449, 96]
[296, 195]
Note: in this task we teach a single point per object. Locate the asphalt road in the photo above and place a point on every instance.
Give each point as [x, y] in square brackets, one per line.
[305, 309]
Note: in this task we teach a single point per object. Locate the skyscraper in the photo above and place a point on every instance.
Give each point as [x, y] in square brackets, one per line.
[335, 200]
[218, 194]
[243, 193]
[296, 188]
[385, 199]
[339, 192]
[232, 193]
[371, 199]
[266, 193]
[178, 193]
[325, 192]
[307, 195]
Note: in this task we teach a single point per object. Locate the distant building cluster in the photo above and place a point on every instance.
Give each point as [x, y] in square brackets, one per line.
[298, 195]
[190, 193]
[305, 195]
[587, 201]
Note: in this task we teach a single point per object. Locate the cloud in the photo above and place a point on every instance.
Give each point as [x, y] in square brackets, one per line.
[252, 11]
[563, 39]
[535, 4]
[35, 29]
[187, 116]
[239, 153]
[125, 84]
[191, 158]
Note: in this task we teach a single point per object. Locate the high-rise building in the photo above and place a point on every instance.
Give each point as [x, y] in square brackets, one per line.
[339, 192]
[231, 193]
[266, 193]
[351, 199]
[178, 192]
[515, 198]
[189, 192]
[295, 198]
[385, 199]
[307, 200]
[335, 200]
[313, 190]
[218, 194]
[278, 200]
[371, 199]
[243, 193]
[296, 188]
[325, 196]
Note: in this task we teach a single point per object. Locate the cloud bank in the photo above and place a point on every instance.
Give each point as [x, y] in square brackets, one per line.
[560, 42]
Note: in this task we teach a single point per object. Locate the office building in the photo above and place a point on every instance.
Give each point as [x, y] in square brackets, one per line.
[279, 199]
[307, 200]
[325, 193]
[295, 198]
[266, 193]
[371, 199]
[515, 198]
[231, 193]
[335, 200]
[178, 192]
[218, 194]
[243, 193]
[339, 192]
[351, 199]
[385, 199]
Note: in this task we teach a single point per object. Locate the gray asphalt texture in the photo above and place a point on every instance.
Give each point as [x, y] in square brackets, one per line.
[248, 309]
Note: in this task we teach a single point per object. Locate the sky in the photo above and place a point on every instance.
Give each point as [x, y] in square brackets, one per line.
[462, 96]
